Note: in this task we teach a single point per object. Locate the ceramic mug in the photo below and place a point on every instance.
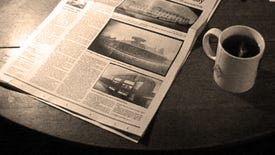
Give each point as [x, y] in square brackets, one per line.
[233, 71]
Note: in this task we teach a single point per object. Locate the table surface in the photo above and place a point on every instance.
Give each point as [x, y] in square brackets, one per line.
[195, 113]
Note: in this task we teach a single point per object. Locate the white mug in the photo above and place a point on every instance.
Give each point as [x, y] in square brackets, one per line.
[234, 73]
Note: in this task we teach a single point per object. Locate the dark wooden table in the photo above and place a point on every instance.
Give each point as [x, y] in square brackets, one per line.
[195, 113]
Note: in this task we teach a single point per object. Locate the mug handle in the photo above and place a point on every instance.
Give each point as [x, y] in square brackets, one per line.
[206, 45]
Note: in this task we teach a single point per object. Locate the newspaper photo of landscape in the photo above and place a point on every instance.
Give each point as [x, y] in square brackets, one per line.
[162, 12]
[136, 46]
[128, 85]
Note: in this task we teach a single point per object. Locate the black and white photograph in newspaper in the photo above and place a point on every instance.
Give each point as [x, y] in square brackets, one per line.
[77, 3]
[162, 12]
[128, 85]
[136, 46]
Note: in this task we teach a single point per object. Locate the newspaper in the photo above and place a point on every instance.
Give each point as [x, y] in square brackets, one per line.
[109, 62]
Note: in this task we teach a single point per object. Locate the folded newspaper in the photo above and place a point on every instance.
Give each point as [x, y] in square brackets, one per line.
[109, 62]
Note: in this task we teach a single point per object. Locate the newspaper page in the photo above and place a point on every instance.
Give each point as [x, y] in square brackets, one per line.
[109, 62]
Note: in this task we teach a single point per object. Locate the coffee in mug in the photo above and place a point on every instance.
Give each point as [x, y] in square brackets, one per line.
[241, 46]
[237, 56]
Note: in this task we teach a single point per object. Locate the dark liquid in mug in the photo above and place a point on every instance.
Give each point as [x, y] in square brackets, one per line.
[241, 46]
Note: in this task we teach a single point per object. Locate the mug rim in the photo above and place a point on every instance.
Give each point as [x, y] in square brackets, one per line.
[261, 44]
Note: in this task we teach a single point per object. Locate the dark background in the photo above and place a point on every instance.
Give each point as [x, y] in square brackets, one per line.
[15, 138]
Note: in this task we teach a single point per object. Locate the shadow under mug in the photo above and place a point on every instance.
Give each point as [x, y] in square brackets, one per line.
[233, 73]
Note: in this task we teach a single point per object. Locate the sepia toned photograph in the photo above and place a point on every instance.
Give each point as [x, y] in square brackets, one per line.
[128, 85]
[77, 3]
[139, 47]
[137, 77]
[162, 12]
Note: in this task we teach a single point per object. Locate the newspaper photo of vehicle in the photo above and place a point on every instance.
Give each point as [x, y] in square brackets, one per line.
[128, 85]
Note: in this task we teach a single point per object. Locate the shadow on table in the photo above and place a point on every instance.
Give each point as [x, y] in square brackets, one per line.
[261, 96]
[12, 88]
